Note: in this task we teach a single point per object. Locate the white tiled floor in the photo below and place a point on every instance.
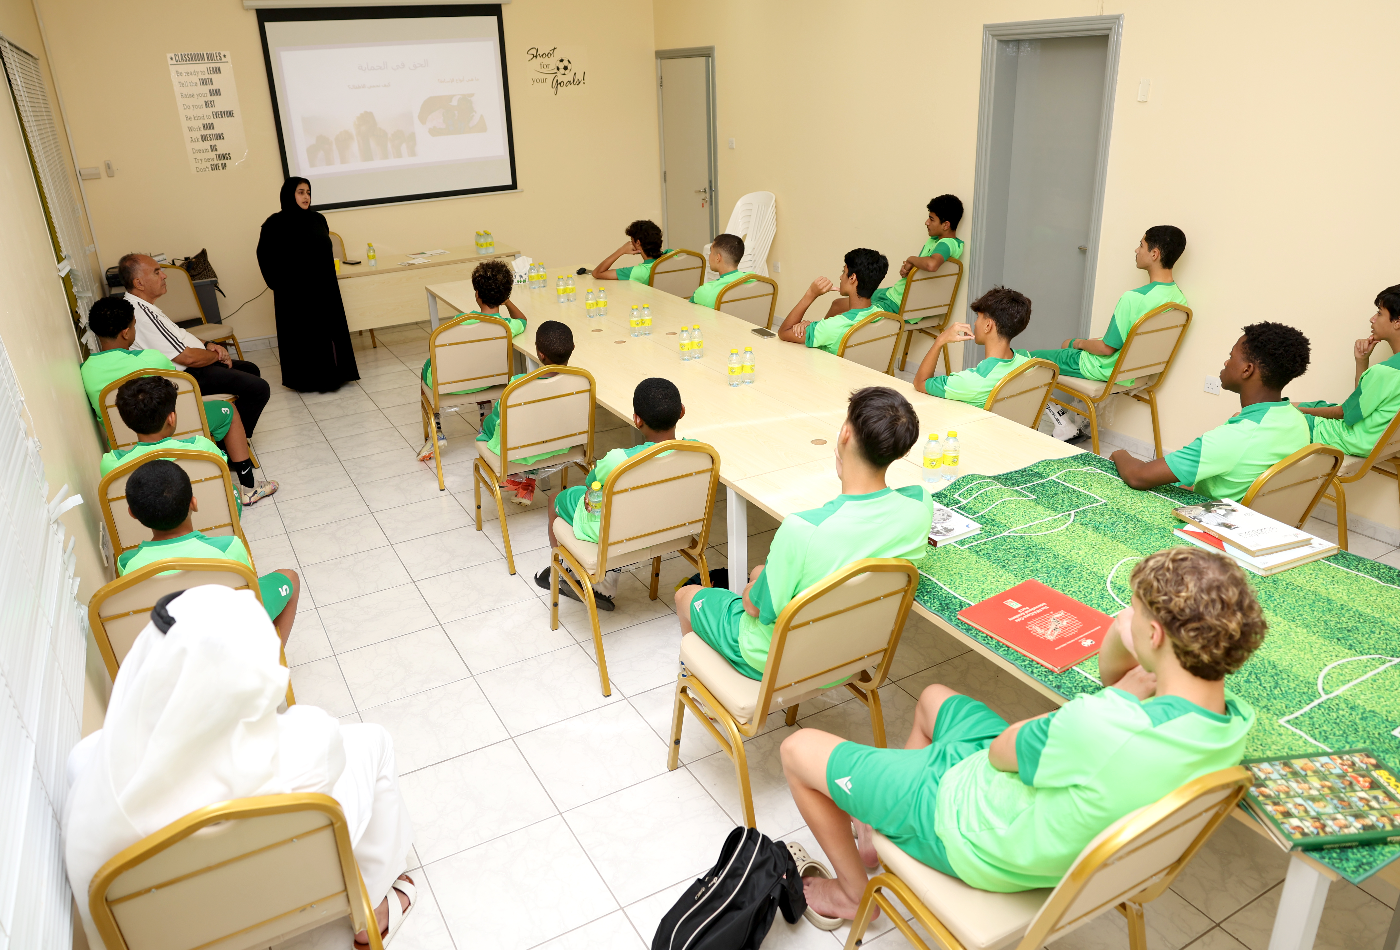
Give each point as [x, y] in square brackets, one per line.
[543, 811]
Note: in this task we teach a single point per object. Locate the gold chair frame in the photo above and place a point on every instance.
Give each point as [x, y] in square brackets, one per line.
[689, 686]
[433, 407]
[865, 321]
[724, 295]
[1012, 378]
[356, 897]
[674, 255]
[223, 333]
[1263, 484]
[933, 329]
[1378, 455]
[561, 557]
[482, 474]
[1100, 854]
[1142, 393]
[177, 377]
[174, 455]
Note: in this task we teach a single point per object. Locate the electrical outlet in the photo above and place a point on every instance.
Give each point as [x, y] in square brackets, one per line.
[731, 143]
[778, 267]
[1213, 385]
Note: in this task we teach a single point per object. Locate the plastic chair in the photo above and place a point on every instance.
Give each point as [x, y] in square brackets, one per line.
[1144, 359]
[873, 341]
[679, 272]
[1129, 864]
[928, 300]
[1290, 489]
[755, 220]
[841, 631]
[753, 300]
[182, 303]
[239, 874]
[1021, 394]
[1354, 468]
[213, 488]
[539, 413]
[468, 352]
[657, 502]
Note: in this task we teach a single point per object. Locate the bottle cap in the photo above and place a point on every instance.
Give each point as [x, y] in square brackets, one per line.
[597, 484]
[748, 349]
[952, 433]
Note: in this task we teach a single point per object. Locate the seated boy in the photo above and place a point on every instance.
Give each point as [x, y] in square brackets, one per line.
[656, 408]
[943, 244]
[492, 282]
[1156, 253]
[726, 251]
[147, 405]
[1001, 313]
[868, 519]
[1357, 424]
[1225, 461]
[1009, 807]
[644, 238]
[113, 321]
[554, 344]
[159, 495]
[860, 276]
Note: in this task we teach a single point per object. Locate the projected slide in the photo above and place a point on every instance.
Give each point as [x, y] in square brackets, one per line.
[390, 119]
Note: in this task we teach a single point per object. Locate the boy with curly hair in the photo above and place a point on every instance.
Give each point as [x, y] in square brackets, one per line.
[644, 238]
[1009, 807]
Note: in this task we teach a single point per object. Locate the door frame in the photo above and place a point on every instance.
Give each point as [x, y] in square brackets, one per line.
[706, 53]
[1110, 26]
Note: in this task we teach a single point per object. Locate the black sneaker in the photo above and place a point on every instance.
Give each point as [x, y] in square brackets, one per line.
[603, 601]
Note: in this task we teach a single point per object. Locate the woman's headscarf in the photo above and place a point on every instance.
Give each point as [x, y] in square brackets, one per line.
[289, 195]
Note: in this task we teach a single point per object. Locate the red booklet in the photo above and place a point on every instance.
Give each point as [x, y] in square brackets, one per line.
[1039, 622]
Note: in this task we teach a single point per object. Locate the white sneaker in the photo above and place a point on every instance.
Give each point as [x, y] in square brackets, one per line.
[1064, 427]
[608, 585]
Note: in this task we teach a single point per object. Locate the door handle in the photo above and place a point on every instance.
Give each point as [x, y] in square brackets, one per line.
[1084, 247]
[702, 191]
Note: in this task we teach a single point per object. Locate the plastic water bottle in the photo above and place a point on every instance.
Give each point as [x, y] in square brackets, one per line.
[950, 457]
[685, 344]
[748, 366]
[697, 345]
[479, 242]
[488, 242]
[933, 462]
[369, 256]
[570, 290]
[635, 321]
[593, 500]
[542, 277]
[589, 304]
[559, 288]
[602, 302]
[736, 369]
[646, 320]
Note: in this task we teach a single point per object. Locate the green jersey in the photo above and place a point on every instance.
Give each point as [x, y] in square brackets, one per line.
[1132, 306]
[196, 443]
[100, 370]
[1084, 766]
[706, 293]
[811, 545]
[491, 434]
[641, 273]
[950, 248]
[517, 327]
[190, 545]
[584, 524]
[974, 385]
[1365, 414]
[827, 334]
[1225, 461]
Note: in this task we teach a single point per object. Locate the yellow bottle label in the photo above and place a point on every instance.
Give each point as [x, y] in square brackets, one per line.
[735, 369]
[950, 459]
[935, 462]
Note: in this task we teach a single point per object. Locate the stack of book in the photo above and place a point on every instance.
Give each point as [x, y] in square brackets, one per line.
[1326, 801]
[949, 526]
[1256, 542]
[1041, 623]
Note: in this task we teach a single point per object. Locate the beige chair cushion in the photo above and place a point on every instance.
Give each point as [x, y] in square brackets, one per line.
[982, 920]
[211, 331]
[1093, 388]
[493, 460]
[586, 552]
[736, 692]
[1350, 465]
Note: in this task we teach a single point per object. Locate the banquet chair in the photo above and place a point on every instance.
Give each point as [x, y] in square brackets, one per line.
[841, 631]
[182, 303]
[1290, 489]
[873, 341]
[753, 300]
[927, 302]
[1354, 468]
[1021, 394]
[337, 247]
[213, 488]
[1130, 864]
[471, 352]
[678, 272]
[189, 405]
[240, 874]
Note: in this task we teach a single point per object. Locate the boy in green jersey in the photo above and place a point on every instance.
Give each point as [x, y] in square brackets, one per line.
[1001, 313]
[554, 344]
[159, 495]
[1157, 252]
[656, 408]
[726, 251]
[1357, 424]
[644, 238]
[1009, 807]
[492, 282]
[943, 244]
[860, 276]
[1225, 461]
[868, 519]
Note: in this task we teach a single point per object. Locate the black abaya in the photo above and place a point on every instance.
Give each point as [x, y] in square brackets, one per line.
[294, 254]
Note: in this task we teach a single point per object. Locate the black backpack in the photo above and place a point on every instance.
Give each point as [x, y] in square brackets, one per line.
[732, 906]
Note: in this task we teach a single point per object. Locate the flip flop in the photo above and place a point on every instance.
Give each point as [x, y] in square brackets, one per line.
[397, 915]
[806, 864]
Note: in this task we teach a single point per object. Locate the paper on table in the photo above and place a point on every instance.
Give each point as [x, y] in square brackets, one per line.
[429, 253]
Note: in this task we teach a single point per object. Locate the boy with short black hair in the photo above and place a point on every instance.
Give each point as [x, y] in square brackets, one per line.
[726, 251]
[159, 495]
[860, 277]
[1009, 807]
[1357, 424]
[644, 238]
[1001, 314]
[656, 408]
[944, 214]
[868, 519]
[1225, 461]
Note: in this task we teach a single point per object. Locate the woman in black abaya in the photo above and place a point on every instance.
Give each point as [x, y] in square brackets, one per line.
[294, 254]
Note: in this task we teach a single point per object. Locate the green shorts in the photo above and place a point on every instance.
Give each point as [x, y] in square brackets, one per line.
[895, 791]
[219, 415]
[885, 299]
[566, 503]
[714, 616]
[276, 589]
[1066, 360]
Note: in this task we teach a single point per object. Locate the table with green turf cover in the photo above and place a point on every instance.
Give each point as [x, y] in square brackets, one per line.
[1327, 676]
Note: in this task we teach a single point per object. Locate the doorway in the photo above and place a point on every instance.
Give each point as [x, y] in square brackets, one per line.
[1042, 150]
[685, 80]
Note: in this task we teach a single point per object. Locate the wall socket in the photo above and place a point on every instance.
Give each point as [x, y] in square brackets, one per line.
[778, 267]
[731, 143]
[1213, 385]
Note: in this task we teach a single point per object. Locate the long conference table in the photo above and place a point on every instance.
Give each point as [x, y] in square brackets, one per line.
[776, 439]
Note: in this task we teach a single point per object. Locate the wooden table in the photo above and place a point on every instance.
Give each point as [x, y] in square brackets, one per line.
[391, 293]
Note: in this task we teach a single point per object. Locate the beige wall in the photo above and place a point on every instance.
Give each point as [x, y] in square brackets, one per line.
[855, 116]
[586, 158]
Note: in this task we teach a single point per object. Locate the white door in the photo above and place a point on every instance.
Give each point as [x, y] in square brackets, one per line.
[686, 139]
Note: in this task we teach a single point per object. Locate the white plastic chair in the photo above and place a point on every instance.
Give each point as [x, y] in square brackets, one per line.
[755, 220]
